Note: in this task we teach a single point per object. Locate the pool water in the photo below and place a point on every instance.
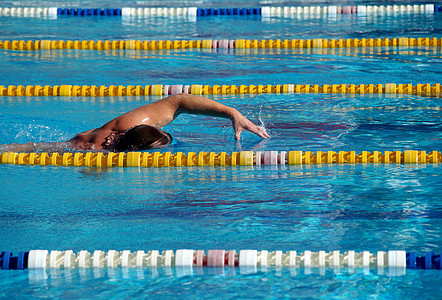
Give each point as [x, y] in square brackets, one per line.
[216, 283]
[360, 207]
[222, 27]
[223, 67]
[365, 207]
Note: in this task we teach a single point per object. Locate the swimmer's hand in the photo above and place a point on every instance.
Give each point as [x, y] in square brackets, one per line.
[241, 123]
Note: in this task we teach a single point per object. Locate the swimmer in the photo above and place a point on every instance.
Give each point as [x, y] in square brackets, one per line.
[140, 129]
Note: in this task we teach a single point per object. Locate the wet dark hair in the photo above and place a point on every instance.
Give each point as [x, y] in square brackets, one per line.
[140, 137]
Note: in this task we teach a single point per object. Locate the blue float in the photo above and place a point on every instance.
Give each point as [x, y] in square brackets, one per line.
[411, 260]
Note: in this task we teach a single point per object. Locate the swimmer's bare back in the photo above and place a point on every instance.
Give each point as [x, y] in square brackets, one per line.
[161, 113]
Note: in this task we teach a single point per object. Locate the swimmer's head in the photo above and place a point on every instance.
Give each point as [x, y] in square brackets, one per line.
[140, 137]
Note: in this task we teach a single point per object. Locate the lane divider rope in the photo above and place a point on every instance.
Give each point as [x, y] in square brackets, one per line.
[193, 12]
[198, 89]
[27, 45]
[243, 158]
[287, 11]
[43, 259]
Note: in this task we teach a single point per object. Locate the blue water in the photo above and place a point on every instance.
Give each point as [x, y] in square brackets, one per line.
[361, 207]
[218, 67]
[223, 27]
[318, 207]
[216, 283]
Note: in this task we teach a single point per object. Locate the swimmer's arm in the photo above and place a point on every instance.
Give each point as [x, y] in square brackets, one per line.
[191, 104]
[162, 112]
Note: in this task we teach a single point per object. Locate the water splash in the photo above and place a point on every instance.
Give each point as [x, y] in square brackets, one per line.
[265, 125]
[38, 133]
